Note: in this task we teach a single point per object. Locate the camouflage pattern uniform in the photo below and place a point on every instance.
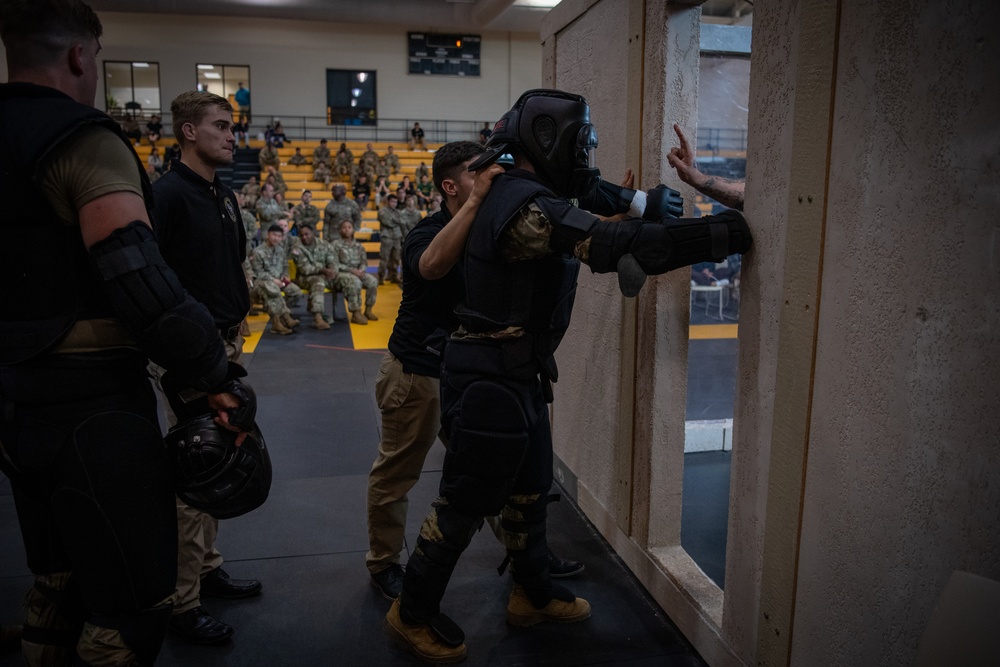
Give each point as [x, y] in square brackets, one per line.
[251, 226]
[369, 157]
[322, 174]
[269, 212]
[270, 264]
[251, 193]
[279, 182]
[422, 170]
[306, 214]
[392, 161]
[382, 170]
[348, 255]
[298, 160]
[390, 221]
[321, 155]
[268, 156]
[338, 211]
[309, 261]
[411, 216]
[343, 164]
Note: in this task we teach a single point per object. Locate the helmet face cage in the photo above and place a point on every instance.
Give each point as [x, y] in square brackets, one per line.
[552, 130]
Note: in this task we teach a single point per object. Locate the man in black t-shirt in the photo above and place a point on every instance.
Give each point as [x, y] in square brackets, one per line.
[190, 202]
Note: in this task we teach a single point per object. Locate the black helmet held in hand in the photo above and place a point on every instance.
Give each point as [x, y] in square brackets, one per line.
[214, 475]
[552, 130]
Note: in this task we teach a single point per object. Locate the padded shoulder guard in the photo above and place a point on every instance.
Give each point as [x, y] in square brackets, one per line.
[176, 331]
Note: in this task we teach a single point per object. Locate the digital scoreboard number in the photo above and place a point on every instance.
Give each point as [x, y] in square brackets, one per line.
[445, 55]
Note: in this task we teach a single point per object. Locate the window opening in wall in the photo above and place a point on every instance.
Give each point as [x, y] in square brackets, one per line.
[131, 88]
[351, 97]
[720, 147]
[229, 81]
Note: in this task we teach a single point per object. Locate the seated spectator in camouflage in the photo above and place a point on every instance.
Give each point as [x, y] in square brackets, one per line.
[411, 215]
[362, 190]
[339, 209]
[348, 154]
[390, 230]
[130, 126]
[268, 157]
[313, 270]
[250, 223]
[268, 210]
[270, 279]
[298, 159]
[152, 173]
[279, 197]
[251, 192]
[321, 154]
[369, 156]
[305, 214]
[392, 160]
[351, 262]
[436, 201]
[289, 242]
[381, 190]
[343, 165]
[422, 171]
[382, 169]
[278, 179]
[424, 189]
[322, 174]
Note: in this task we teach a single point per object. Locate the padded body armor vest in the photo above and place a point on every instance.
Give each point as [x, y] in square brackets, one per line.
[43, 298]
[536, 295]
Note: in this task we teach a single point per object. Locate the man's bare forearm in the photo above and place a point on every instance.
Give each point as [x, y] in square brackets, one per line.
[723, 190]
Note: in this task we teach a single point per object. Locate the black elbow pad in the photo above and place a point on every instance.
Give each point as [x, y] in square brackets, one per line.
[658, 247]
[607, 199]
[174, 330]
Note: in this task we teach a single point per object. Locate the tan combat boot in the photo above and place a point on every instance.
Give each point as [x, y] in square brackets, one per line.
[278, 327]
[370, 315]
[319, 322]
[289, 321]
[358, 318]
[420, 640]
[521, 612]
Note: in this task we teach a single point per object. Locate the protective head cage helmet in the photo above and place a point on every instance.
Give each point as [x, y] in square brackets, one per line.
[552, 130]
[214, 475]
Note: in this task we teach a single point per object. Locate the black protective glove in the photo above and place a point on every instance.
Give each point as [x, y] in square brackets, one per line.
[663, 202]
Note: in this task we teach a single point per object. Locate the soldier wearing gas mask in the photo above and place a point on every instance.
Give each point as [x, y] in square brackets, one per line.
[520, 267]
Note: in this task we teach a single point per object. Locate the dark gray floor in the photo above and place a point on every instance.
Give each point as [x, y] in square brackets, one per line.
[307, 545]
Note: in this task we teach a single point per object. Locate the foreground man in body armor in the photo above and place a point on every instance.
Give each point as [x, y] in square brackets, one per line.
[519, 266]
[78, 428]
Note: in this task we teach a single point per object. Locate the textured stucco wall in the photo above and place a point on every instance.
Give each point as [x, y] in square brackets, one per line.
[588, 53]
[904, 456]
[772, 94]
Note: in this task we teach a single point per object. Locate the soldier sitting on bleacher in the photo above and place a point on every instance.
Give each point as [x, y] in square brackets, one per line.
[313, 270]
[298, 159]
[322, 174]
[268, 210]
[351, 262]
[305, 214]
[270, 279]
[268, 156]
[251, 192]
[321, 154]
[369, 157]
[275, 178]
[339, 209]
[392, 160]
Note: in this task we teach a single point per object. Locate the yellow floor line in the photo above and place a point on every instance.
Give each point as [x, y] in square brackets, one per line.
[708, 331]
[375, 335]
[257, 324]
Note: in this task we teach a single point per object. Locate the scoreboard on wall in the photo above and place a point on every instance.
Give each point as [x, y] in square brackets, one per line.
[447, 55]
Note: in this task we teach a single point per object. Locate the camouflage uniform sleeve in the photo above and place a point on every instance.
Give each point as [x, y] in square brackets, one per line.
[527, 237]
[356, 215]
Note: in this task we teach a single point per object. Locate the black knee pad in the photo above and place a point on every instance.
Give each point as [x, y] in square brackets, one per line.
[489, 439]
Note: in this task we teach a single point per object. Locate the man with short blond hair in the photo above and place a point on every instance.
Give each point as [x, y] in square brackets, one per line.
[208, 257]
